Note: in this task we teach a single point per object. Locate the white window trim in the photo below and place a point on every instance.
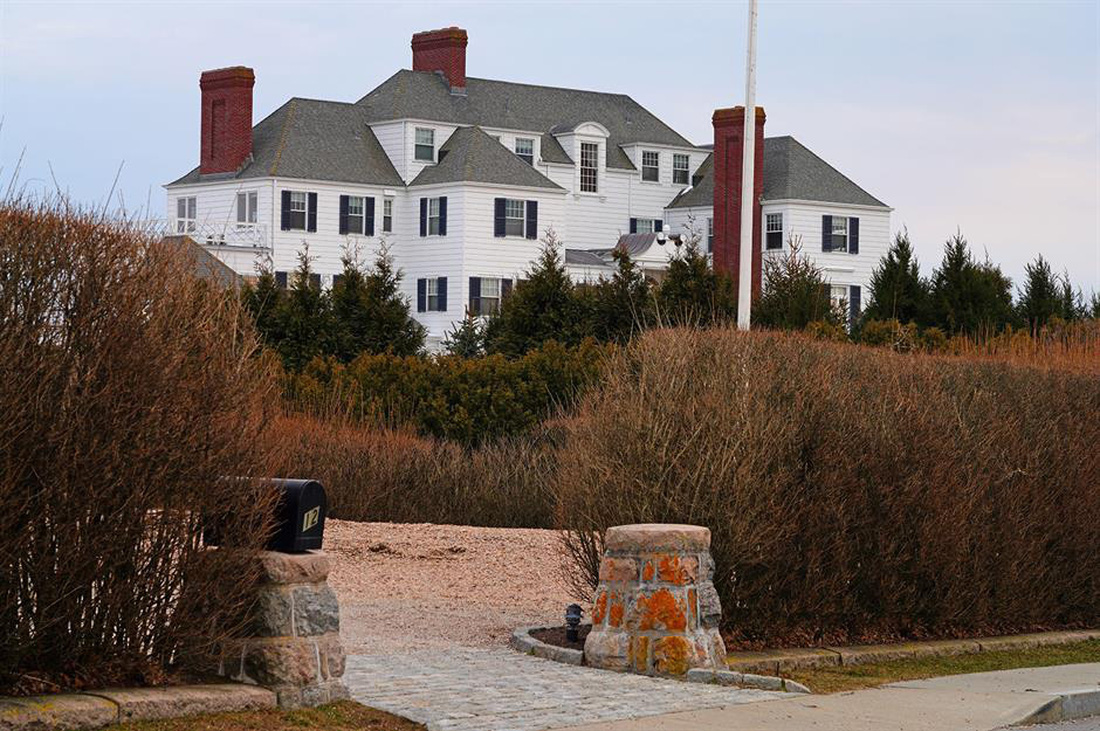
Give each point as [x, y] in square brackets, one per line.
[417, 144]
[651, 225]
[656, 168]
[495, 298]
[686, 169]
[189, 221]
[522, 218]
[432, 291]
[433, 202]
[387, 215]
[299, 197]
[523, 156]
[594, 168]
[833, 234]
[361, 215]
[769, 230]
[251, 203]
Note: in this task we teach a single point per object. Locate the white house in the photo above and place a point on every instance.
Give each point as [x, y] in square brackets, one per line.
[460, 177]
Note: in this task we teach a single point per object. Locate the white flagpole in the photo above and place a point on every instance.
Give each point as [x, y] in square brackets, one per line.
[744, 280]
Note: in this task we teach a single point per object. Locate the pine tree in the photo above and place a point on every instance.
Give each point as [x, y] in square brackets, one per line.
[1072, 301]
[1094, 306]
[692, 293]
[621, 304]
[1041, 297]
[967, 296]
[795, 293]
[898, 292]
[264, 301]
[304, 317]
[544, 307]
[467, 339]
[383, 323]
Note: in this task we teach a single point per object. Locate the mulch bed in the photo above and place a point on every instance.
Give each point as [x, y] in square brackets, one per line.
[556, 636]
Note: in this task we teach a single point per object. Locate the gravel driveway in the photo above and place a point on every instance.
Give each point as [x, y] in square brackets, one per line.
[405, 587]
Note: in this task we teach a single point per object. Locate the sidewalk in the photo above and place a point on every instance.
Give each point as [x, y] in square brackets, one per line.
[977, 702]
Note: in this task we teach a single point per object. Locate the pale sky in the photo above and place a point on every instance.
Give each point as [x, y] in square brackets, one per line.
[979, 115]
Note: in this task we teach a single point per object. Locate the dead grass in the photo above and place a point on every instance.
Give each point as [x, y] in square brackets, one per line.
[856, 677]
[342, 716]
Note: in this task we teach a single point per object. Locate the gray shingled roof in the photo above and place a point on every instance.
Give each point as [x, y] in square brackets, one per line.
[470, 155]
[508, 105]
[314, 140]
[791, 171]
[584, 257]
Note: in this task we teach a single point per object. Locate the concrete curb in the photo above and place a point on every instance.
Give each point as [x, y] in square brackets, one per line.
[1069, 706]
[107, 707]
[522, 641]
[744, 680]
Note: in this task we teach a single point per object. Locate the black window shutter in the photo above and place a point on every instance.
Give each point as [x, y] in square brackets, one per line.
[443, 215]
[505, 288]
[475, 295]
[315, 280]
[633, 225]
[441, 289]
[343, 214]
[853, 236]
[658, 225]
[826, 233]
[285, 210]
[280, 280]
[423, 216]
[311, 223]
[421, 295]
[498, 217]
[368, 213]
[854, 294]
[532, 219]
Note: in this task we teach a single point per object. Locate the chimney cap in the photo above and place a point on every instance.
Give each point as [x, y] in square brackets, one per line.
[227, 76]
[735, 114]
[451, 32]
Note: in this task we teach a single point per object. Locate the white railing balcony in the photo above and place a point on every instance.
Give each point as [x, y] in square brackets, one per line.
[241, 235]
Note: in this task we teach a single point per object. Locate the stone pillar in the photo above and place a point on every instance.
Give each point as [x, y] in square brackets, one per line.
[656, 610]
[294, 648]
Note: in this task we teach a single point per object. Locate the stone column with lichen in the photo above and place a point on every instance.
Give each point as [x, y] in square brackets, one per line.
[294, 648]
[656, 610]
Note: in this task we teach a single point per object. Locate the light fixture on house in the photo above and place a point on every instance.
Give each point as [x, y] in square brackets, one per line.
[661, 238]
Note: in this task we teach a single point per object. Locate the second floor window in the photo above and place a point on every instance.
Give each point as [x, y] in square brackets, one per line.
[644, 226]
[299, 203]
[651, 166]
[514, 218]
[773, 232]
[680, 165]
[425, 144]
[590, 152]
[838, 241]
[186, 209]
[433, 216]
[710, 235]
[246, 209]
[525, 149]
[355, 214]
[387, 215]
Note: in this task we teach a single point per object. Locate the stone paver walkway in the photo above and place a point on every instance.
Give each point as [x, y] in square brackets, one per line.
[466, 689]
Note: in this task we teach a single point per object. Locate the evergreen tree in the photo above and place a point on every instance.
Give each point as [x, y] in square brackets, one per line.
[1094, 306]
[1072, 301]
[304, 317]
[692, 293]
[542, 308]
[967, 296]
[466, 339]
[898, 292]
[264, 301]
[795, 293]
[620, 304]
[384, 323]
[1041, 297]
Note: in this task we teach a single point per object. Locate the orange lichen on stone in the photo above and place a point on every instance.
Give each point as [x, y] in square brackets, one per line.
[660, 610]
[600, 609]
[615, 616]
[618, 569]
[674, 570]
[639, 653]
[647, 571]
[671, 655]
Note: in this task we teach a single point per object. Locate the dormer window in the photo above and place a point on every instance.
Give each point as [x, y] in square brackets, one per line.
[525, 150]
[651, 166]
[590, 166]
[425, 144]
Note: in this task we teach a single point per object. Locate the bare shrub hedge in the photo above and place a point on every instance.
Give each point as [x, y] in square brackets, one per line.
[393, 475]
[853, 493]
[127, 387]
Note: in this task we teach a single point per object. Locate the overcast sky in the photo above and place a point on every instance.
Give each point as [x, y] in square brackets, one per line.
[979, 115]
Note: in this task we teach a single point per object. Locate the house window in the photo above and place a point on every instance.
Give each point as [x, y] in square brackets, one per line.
[433, 216]
[838, 295]
[644, 225]
[590, 152]
[425, 144]
[490, 296]
[525, 149]
[651, 166]
[246, 209]
[433, 295]
[839, 239]
[299, 202]
[387, 215]
[710, 235]
[680, 169]
[355, 214]
[185, 214]
[514, 217]
[773, 232]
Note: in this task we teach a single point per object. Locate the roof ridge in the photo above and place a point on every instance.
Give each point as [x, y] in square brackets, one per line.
[292, 105]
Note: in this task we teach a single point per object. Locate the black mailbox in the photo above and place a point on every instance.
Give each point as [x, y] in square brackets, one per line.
[299, 516]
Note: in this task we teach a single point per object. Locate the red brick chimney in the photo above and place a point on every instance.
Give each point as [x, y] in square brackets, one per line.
[442, 50]
[729, 129]
[226, 119]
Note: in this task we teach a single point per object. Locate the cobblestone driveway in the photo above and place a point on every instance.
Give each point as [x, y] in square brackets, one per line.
[466, 689]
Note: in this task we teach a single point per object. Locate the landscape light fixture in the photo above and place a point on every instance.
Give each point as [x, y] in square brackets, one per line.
[572, 621]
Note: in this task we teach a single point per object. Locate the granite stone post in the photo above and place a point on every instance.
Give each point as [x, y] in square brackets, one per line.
[294, 648]
[656, 610]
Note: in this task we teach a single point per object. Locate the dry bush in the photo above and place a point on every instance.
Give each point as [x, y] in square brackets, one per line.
[852, 493]
[128, 387]
[1072, 346]
[378, 474]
